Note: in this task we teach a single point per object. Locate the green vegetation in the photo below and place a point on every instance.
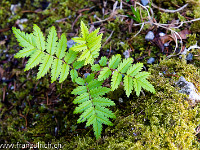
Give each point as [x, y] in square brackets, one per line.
[92, 105]
[37, 106]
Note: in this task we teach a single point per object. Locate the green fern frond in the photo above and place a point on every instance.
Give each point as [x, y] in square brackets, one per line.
[79, 90]
[47, 60]
[48, 55]
[64, 72]
[39, 38]
[114, 61]
[92, 105]
[62, 46]
[25, 52]
[115, 81]
[52, 41]
[103, 61]
[80, 81]
[137, 86]
[79, 40]
[74, 74]
[128, 85]
[124, 65]
[134, 78]
[70, 56]
[99, 91]
[96, 67]
[78, 64]
[89, 44]
[82, 98]
[56, 69]
[83, 106]
[84, 30]
[135, 69]
[94, 84]
[102, 101]
[141, 78]
[35, 59]
[24, 39]
[89, 78]
[104, 74]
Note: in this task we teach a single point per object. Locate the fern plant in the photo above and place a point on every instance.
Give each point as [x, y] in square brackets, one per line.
[52, 55]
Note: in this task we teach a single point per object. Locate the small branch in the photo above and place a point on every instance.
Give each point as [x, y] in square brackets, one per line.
[140, 29]
[107, 39]
[167, 10]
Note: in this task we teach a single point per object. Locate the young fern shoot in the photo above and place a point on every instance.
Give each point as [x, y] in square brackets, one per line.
[51, 55]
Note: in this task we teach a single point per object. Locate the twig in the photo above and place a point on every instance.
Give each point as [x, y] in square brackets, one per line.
[167, 10]
[76, 20]
[108, 39]
[140, 29]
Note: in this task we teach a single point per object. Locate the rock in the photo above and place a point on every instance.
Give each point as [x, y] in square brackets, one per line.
[189, 89]
[126, 54]
[144, 2]
[70, 43]
[86, 74]
[150, 36]
[151, 60]
[189, 57]
[166, 44]
[22, 23]
[121, 100]
[15, 7]
[162, 34]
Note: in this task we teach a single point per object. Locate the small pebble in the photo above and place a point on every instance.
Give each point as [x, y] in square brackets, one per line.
[126, 54]
[134, 134]
[56, 130]
[150, 36]
[86, 74]
[162, 34]
[144, 2]
[23, 20]
[122, 43]
[189, 57]
[166, 44]
[15, 7]
[151, 60]
[70, 43]
[121, 100]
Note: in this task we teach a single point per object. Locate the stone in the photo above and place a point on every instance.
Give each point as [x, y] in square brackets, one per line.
[189, 89]
[161, 34]
[121, 100]
[86, 74]
[189, 57]
[126, 54]
[144, 2]
[150, 36]
[70, 43]
[151, 60]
